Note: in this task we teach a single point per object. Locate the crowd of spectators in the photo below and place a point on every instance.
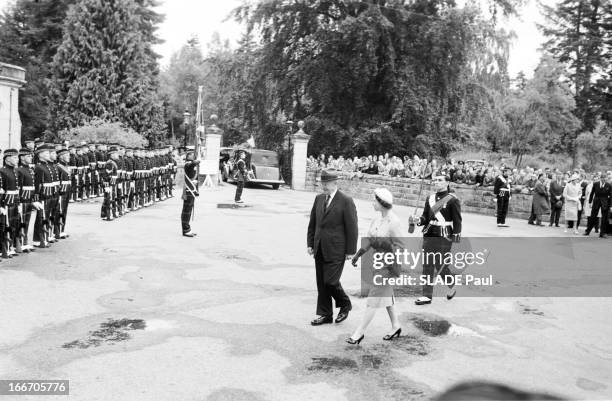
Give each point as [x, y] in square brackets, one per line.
[470, 172]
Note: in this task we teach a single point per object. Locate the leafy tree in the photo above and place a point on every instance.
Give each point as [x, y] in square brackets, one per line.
[595, 145]
[101, 131]
[375, 73]
[104, 68]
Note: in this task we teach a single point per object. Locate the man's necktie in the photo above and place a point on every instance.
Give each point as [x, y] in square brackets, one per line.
[326, 202]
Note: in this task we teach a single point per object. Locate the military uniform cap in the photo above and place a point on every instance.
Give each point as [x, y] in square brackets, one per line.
[62, 151]
[25, 151]
[44, 147]
[11, 152]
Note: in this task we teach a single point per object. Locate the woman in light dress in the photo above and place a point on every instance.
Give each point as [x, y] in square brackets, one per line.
[571, 194]
[384, 235]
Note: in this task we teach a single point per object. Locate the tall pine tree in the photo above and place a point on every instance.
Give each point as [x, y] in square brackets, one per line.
[580, 36]
[30, 33]
[105, 67]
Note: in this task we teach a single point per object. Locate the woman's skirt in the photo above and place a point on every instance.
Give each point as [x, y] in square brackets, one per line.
[571, 210]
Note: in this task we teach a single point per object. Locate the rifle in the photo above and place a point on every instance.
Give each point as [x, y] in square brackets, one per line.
[411, 224]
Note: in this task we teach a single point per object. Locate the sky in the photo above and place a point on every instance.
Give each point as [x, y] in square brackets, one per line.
[202, 18]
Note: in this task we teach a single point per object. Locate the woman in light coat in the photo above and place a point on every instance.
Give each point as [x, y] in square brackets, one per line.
[385, 235]
[571, 194]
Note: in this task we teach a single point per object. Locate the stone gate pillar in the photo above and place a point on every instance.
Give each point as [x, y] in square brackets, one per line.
[209, 167]
[11, 79]
[298, 161]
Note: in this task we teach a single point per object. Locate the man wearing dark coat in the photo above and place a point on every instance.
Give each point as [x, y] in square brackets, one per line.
[600, 199]
[442, 223]
[556, 199]
[190, 191]
[332, 239]
[501, 189]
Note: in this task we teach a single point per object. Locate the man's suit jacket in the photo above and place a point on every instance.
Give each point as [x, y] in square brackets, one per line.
[333, 231]
[600, 192]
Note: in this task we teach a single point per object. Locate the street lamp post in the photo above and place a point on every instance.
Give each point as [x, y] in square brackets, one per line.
[186, 116]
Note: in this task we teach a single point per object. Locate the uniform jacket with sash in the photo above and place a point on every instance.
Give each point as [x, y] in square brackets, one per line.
[25, 181]
[44, 185]
[191, 179]
[438, 224]
[64, 178]
[501, 187]
[10, 189]
[333, 231]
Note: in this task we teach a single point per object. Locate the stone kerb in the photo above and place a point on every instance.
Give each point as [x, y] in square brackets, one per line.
[406, 192]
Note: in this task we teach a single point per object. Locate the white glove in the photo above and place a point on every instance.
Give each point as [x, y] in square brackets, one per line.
[37, 205]
[3, 211]
[107, 190]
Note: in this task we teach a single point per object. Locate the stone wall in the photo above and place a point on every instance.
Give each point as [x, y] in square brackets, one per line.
[406, 191]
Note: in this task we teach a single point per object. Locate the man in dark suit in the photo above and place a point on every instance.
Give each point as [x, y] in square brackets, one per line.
[332, 239]
[600, 198]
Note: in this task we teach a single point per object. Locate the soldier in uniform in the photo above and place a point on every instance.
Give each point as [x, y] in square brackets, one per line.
[9, 205]
[63, 168]
[240, 176]
[130, 172]
[139, 178]
[25, 178]
[73, 174]
[30, 145]
[44, 189]
[502, 192]
[109, 205]
[93, 169]
[190, 191]
[86, 172]
[120, 180]
[172, 167]
[55, 209]
[80, 180]
[442, 220]
[150, 180]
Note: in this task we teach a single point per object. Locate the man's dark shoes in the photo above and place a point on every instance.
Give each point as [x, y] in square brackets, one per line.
[343, 314]
[189, 234]
[322, 320]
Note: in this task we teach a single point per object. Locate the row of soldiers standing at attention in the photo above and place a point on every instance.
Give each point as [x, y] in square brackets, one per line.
[135, 178]
[42, 179]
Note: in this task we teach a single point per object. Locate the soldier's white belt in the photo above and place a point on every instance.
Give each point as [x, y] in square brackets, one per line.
[49, 184]
[92, 164]
[11, 193]
[504, 189]
[28, 188]
[441, 224]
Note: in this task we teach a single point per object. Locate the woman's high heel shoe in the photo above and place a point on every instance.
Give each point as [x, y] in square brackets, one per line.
[389, 337]
[351, 341]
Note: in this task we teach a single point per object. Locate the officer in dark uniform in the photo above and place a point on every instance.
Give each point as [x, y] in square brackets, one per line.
[139, 177]
[44, 188]
[190, 191]
[9, 204]
[55, 208]
[73, 174]
[110, 178]
[63, 168]
[93, 169]
[442, 220]
[240, 176]
[80, 180]
[130, 185]
[25, 178]
[501, 190]
[120, 181]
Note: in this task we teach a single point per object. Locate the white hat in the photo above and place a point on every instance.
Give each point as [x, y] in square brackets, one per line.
[384, 197]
